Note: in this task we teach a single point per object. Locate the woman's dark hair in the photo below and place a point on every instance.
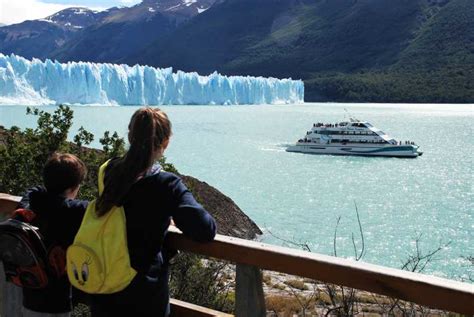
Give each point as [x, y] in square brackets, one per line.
[62, 172]
[148, 130]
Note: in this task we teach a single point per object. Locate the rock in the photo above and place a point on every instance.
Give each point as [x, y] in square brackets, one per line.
[231, 220]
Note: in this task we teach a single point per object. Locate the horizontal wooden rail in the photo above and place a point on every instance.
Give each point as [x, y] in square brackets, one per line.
[414, 287]
[180, 308]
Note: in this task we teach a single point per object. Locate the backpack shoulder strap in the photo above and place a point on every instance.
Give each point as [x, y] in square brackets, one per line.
[102, 176]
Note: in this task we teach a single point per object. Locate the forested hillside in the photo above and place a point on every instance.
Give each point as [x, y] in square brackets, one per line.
[345, 50]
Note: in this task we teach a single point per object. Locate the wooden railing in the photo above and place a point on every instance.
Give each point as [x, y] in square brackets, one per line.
[422, 289]
[251, 256]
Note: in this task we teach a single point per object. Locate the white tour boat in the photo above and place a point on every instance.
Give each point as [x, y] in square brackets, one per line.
[353, 137]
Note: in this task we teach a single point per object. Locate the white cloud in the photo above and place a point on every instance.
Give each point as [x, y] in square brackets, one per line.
[16, 11]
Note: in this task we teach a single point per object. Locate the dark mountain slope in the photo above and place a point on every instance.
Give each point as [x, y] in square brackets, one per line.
[115, 38]
[338, 35]
[345, 50]
[301, 37]
[216, 37]
[76, 17]
[437, 66]
[107, 36]
[39, 38]
[130, 30]
[32, 38]
[446, 40]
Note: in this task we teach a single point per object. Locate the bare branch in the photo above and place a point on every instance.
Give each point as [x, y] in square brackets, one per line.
[361, 231]
[335, 236]
[301, 245]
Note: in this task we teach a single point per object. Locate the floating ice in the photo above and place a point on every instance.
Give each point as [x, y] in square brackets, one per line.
[36, 82]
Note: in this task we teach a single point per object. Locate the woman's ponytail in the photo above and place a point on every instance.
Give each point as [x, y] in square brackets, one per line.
[148, 130]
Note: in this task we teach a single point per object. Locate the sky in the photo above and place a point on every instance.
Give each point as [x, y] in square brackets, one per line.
[16, 11]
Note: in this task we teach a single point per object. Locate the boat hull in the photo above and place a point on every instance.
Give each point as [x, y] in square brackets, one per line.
[407, 151]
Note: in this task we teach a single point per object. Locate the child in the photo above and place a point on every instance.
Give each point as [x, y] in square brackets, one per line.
[58, 217]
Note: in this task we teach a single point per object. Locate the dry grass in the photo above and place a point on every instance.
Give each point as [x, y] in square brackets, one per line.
[267, 279]
[297, 284]
[285, 305]
[279, 286]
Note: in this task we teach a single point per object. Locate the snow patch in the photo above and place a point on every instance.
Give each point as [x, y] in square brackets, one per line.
[80, 11]
[173, 7]
[46, 20]
[189, 2]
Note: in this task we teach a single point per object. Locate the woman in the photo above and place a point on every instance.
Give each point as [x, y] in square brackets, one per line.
[151, 198]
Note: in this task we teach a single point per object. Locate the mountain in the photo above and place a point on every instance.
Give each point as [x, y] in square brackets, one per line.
[76, 18]
[437, 66]
[39, 38]
[130, 30]
[345, 50]
[289, 37]
[108, 36]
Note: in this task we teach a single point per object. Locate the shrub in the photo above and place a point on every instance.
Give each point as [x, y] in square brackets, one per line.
[202, 282]
[23, 153]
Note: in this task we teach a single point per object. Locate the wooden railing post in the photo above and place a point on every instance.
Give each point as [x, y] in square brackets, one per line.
[249, 298]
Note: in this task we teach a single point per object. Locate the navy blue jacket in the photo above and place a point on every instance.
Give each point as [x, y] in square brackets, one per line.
[149, 207]
[58, 219]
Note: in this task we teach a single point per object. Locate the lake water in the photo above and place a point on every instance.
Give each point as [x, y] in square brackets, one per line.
[241, 151]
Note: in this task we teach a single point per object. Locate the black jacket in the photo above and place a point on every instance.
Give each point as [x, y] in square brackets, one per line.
[149, 206]
[58, 219]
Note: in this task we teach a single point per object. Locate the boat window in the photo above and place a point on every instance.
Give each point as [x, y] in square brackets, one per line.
[368, 125]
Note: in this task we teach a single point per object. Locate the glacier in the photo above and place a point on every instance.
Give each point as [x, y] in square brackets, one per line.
[36, 82]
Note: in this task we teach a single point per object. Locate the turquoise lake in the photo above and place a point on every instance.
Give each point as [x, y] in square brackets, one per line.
[241, 151]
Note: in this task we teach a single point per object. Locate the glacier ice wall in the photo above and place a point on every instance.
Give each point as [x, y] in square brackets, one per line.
[36, 82]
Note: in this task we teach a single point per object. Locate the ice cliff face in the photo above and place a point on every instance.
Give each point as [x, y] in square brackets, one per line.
[36, 82]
